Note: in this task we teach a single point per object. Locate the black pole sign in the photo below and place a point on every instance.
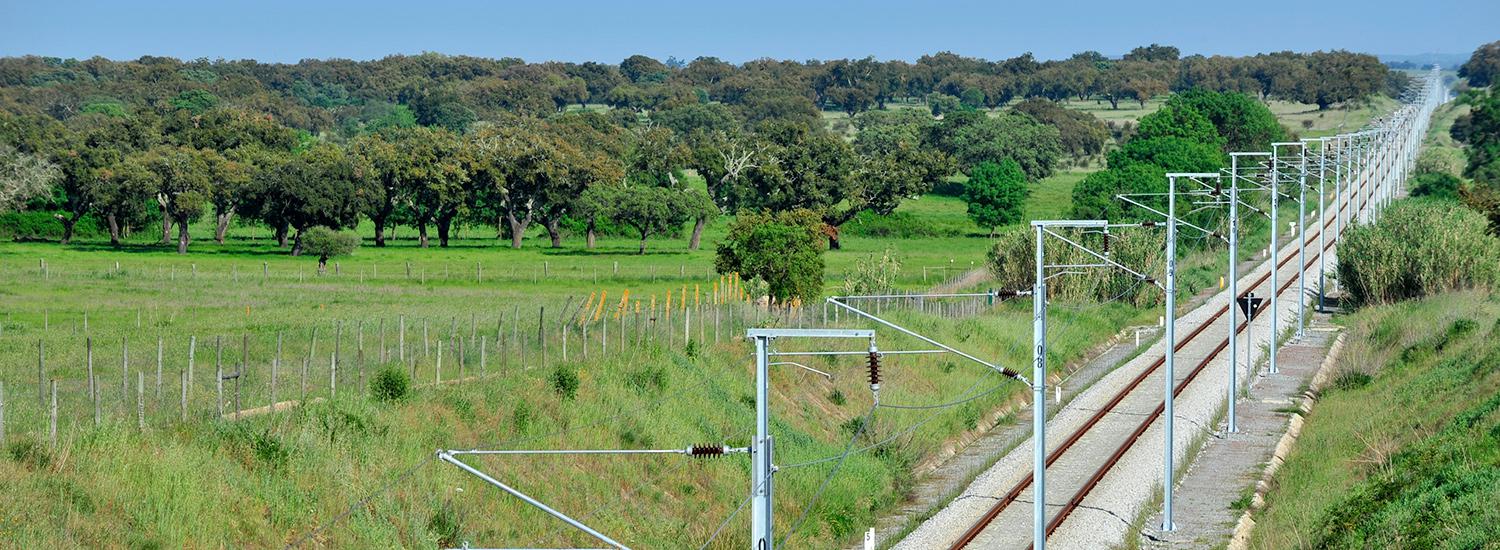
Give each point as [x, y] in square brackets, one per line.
[1250, 304]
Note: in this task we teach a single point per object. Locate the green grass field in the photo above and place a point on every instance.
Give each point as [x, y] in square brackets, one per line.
[269, 478]
[1404, 448]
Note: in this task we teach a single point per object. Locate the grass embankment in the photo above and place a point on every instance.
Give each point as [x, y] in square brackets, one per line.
[1403, 448]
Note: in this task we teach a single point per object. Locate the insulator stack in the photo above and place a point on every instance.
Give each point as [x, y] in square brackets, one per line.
[1106, 244]
[1148, 223]
[874, 370]
[703, 451]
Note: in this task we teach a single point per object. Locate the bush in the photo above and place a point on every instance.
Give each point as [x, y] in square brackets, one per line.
[1438, 185]
[564, 380]
[40, 224]
[872, 274]
[326, 243]
[1417, 248]
[1013, 263]
[390, 384]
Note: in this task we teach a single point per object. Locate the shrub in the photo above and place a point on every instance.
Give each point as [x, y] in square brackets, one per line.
[1439, 185]
[872, 274]
[326, 243]
[390, 384]
[564, 380]
[1417, 248]
[1013, 263]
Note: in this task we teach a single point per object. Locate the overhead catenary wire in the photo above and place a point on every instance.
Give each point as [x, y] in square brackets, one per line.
[848, 448]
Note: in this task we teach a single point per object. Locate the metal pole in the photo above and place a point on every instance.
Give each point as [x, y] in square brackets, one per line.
[1301, 238]
[523, 496]
[1322, 230]
[1039, 398]
[760, 469]
[1275, 249]
[1171, 321]
[1234, 323]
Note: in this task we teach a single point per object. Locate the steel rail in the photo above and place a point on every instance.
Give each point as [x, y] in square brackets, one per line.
[1010, 497]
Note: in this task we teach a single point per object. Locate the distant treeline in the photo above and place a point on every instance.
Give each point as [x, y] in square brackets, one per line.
[352, 97]
[435, 141]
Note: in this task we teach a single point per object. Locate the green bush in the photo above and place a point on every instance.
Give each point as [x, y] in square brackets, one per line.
[327, 243]
[41, 224]
[564, 380]
[1438, 185]
[1417, 248]
[390, 384]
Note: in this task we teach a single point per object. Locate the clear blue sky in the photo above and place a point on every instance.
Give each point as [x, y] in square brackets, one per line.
[584, 30]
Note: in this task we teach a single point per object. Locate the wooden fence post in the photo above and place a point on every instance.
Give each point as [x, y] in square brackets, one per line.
[2, 412]
[401, 338]
[219, 386]
[182, 406]
[52, 426]
[140, 400]
[158, 368]
[333, 376]
[275, 369]
[192, 350]
[41, 373]
[438, 372]
[482, 369]
[303, 398]
[88, 345]
[125, 372]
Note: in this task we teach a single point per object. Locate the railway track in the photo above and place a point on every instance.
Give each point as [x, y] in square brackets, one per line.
[1133, 387]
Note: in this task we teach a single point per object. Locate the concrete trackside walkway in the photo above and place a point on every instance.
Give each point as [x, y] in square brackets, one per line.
[1215, 489]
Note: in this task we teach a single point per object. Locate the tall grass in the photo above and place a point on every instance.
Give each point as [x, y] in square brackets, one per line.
[1418, 248]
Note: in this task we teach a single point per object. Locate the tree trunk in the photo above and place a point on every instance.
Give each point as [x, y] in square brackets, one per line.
[1114, 102]
[182, 237]
[166, 227]
[422, 233]
[642, 251]
[223, 227]
[69, 222]
[499, 227]
[379, 231]
[444, 225]
[281, 232]
[297, 244]
[517, 228]
[114, 229]
[697, 237]
[322, 265]
[555, 232]
[589, 236]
